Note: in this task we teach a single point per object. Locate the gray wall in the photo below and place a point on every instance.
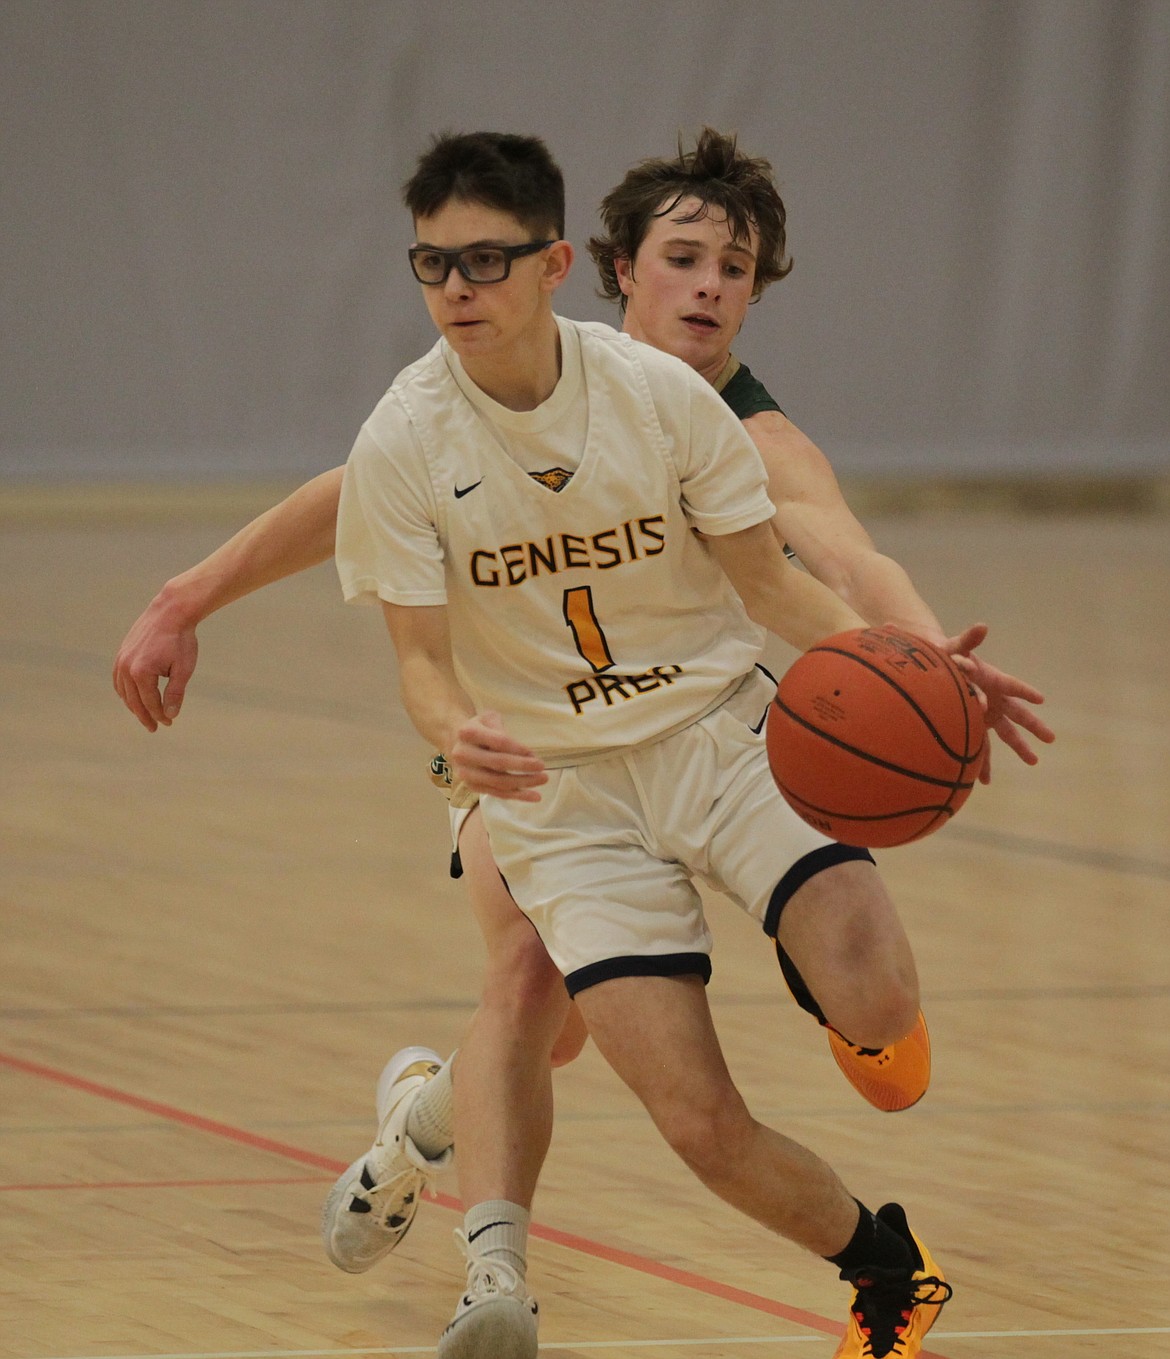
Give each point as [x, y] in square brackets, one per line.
[203, 269]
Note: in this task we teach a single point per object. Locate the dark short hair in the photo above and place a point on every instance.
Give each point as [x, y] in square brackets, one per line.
[502, 170]
[720, 176]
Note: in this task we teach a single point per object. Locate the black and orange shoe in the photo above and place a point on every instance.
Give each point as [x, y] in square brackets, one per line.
[891, 1078]
[891, 1312]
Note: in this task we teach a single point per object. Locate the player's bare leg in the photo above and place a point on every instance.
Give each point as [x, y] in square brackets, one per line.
[844, 935]
[571, 1039]
[524, 1013]
[503, 1080]
[657, 1034]
[503, 1114]
[847, 959]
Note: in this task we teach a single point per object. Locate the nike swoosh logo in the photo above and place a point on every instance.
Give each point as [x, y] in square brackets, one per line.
[472, 1235]
[460, 492]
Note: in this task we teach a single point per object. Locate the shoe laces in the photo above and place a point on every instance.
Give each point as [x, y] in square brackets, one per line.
[487, 1277]
[404, 1183]
[884, 1306]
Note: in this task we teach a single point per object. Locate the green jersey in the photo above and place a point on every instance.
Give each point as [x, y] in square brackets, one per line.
[743, 392]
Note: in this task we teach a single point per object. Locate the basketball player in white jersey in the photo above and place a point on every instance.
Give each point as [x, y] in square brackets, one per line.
[716, 324]
[522, 504]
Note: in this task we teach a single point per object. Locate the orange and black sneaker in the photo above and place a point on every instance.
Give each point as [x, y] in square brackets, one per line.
[891, 1078]
[891, 1313]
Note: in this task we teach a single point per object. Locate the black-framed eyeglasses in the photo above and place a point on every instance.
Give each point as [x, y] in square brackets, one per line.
[477, 263]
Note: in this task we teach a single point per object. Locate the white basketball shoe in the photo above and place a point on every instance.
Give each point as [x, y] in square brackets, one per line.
[496, 1317]
[370, 1208]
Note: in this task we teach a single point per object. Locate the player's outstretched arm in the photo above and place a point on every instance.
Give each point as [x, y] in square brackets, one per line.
[814, 519]
[162, 644]
[480, 752]
[794, 606]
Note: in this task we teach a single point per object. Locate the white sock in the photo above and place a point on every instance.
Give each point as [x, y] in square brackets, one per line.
[498, 1230]
[430, 1125]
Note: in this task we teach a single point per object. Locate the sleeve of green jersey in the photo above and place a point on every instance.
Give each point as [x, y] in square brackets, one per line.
[747, 395]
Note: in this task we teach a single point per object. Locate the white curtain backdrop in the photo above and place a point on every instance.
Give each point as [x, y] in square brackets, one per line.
[203, 270]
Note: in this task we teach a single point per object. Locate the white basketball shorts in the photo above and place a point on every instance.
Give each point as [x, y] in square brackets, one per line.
[603, 864]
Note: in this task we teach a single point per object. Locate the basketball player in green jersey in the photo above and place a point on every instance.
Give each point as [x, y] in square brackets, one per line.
[683, 281]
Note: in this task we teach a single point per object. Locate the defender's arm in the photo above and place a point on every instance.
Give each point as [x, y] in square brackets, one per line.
[161, 644]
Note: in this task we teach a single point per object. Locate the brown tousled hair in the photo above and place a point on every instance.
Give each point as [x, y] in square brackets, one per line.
[720, 176]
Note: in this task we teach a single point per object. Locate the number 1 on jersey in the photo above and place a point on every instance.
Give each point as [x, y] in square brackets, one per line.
[587, 631]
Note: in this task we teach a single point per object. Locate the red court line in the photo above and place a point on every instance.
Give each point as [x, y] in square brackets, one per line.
[688, 1280]
[165, 1184]
[700, 1284]
[174, 1115]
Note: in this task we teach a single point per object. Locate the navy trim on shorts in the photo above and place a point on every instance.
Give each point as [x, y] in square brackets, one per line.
[640, 965]
[759, 726]
[806, 867]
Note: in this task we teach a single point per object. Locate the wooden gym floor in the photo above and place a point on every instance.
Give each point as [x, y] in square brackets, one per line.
[214, 936]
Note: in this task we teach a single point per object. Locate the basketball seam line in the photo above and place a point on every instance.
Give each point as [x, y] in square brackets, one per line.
[953, 784]
[888, 680]
[943, 809]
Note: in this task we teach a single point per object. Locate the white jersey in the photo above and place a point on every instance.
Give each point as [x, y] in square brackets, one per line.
[591, 617]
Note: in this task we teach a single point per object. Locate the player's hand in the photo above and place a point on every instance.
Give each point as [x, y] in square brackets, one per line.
[1007, 699]
[488, 760]
[155, 648]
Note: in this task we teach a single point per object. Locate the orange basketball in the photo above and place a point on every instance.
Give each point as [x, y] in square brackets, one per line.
[875, 737]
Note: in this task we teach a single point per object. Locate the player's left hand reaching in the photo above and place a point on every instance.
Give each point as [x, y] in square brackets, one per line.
[488, 760]
[1007, 698]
